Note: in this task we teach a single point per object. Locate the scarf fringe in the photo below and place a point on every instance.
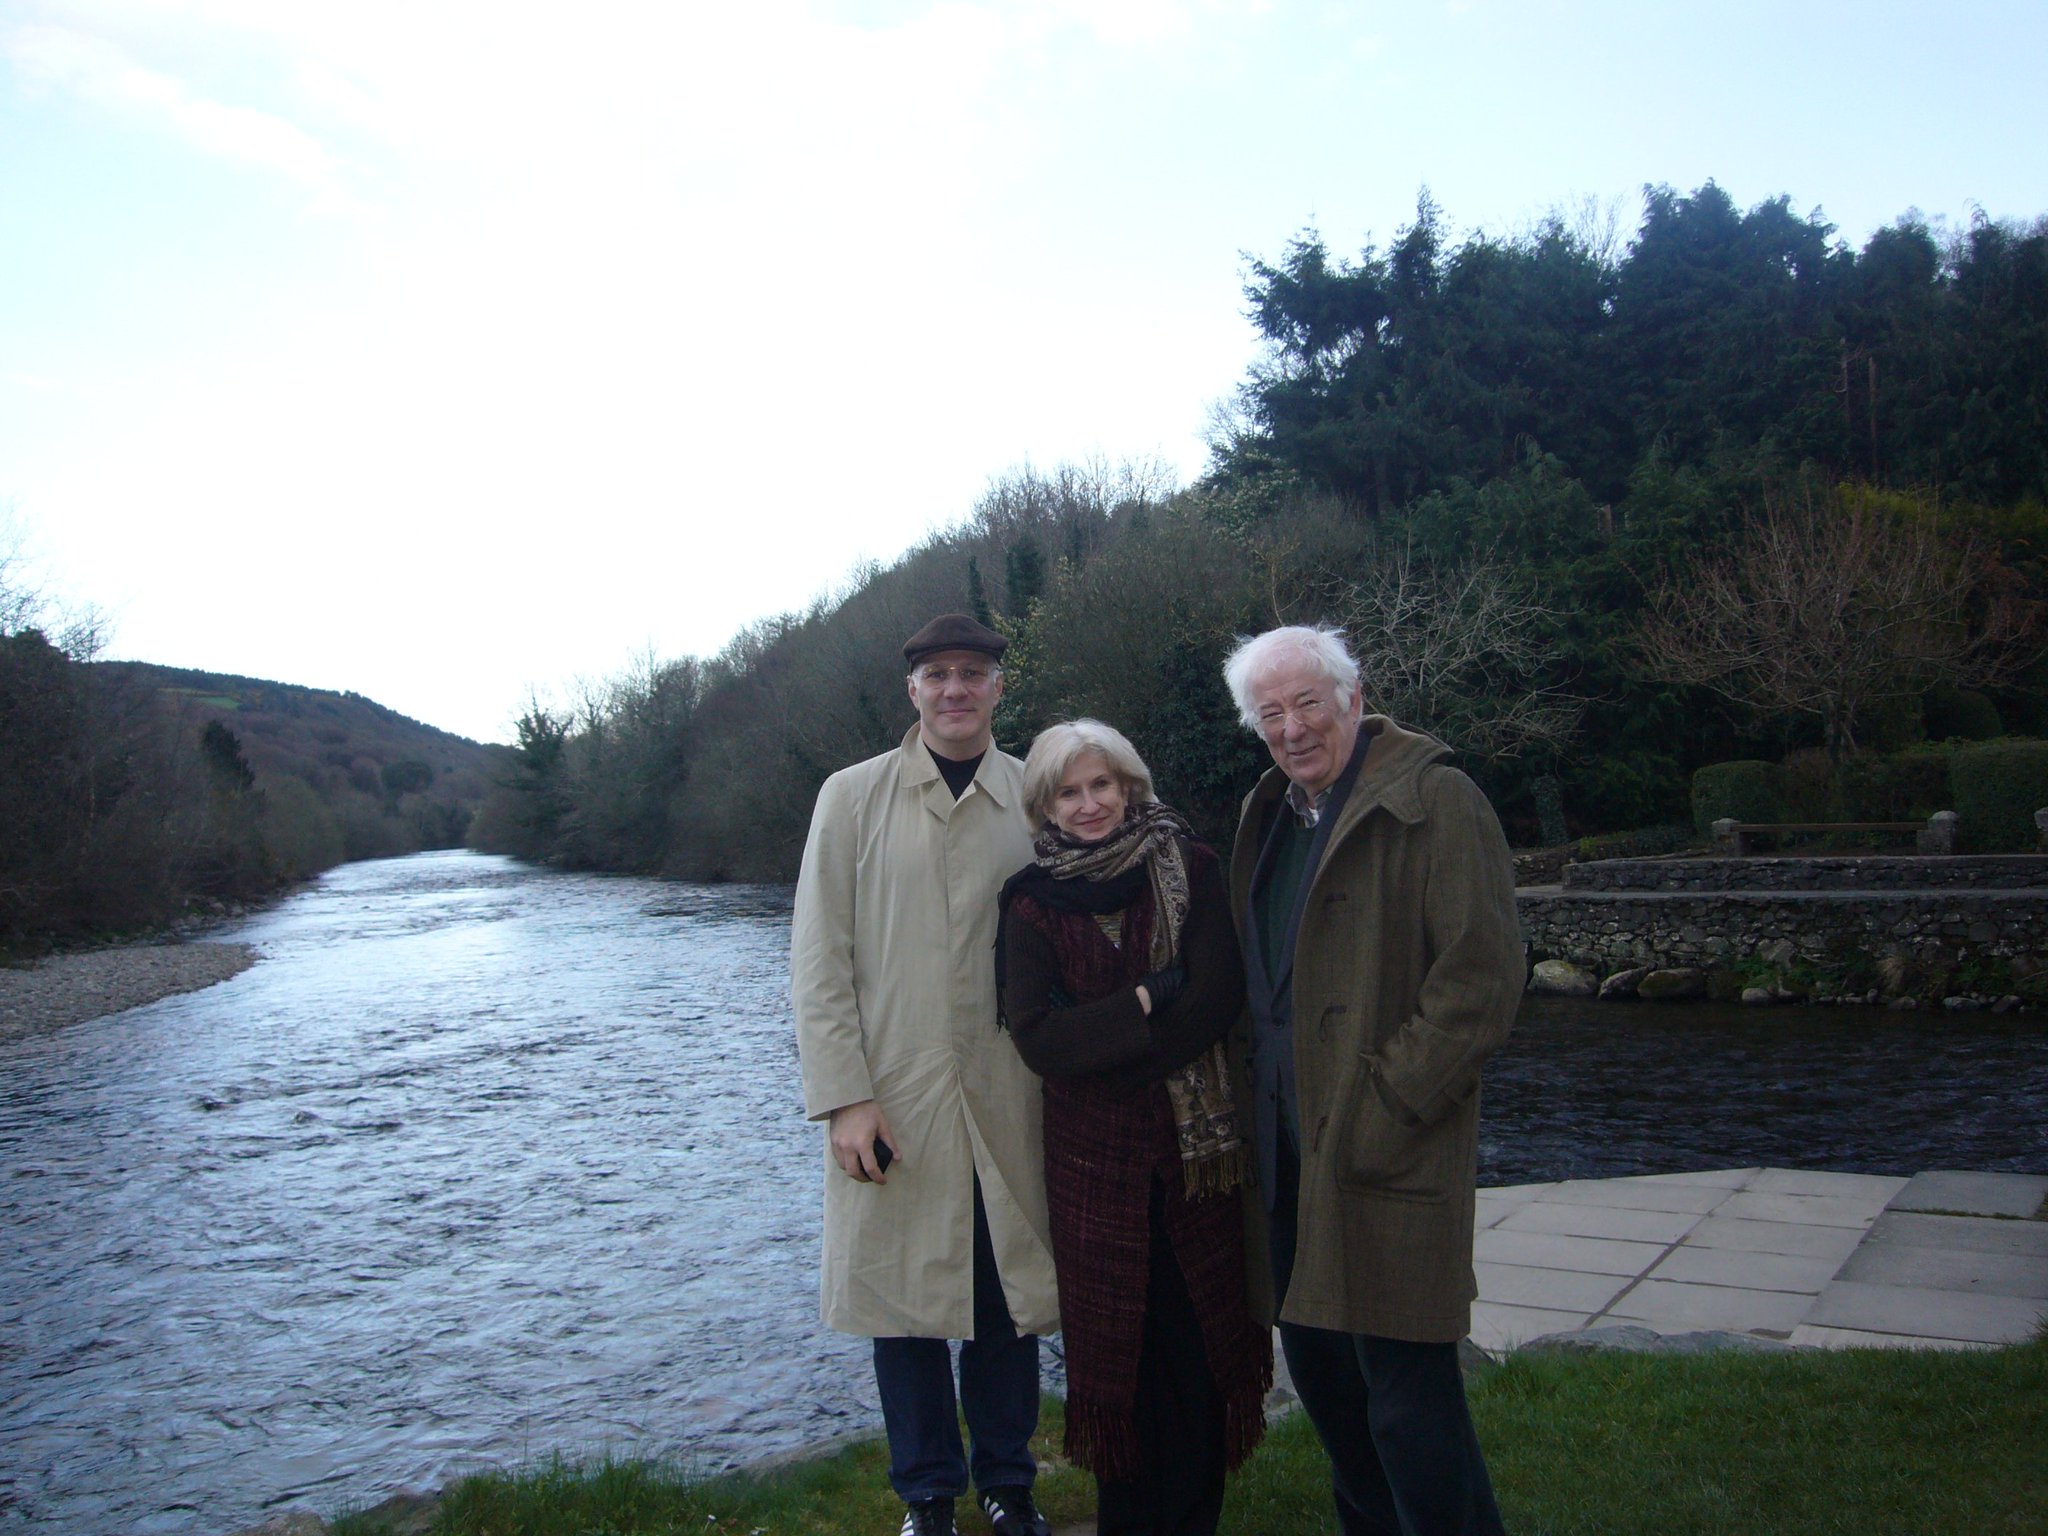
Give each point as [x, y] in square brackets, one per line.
[1218, 1175]
[1102, 1438]
[1244, 1425]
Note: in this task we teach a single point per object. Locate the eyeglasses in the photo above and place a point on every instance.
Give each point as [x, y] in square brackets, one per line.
[972, 677]
[1309, 713]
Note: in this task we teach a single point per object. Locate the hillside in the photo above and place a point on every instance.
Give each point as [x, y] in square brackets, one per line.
[131, 793]
[332, 741]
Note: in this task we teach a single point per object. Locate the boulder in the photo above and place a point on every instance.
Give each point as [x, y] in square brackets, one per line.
[1624, 983]
[405, 1513]
[1755, 997]
[1672, 985]
[297, 1522]
[1560, 978]
[1637, 1340]
[1779, 953]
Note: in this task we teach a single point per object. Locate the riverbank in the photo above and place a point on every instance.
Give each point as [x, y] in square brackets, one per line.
[89, 984]
[1885, 1442]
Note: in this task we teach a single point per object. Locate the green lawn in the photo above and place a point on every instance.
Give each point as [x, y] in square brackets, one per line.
[1859, 1442]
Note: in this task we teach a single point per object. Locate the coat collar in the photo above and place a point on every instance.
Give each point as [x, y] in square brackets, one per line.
[915, 769]
[1389, 779]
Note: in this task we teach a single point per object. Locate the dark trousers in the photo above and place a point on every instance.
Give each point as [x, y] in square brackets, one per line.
[998, 1394]
[1179, 1491]
[1404, 1459]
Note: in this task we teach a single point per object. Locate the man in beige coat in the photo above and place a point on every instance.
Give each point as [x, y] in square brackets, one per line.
[1375, 899]
[935, 1221]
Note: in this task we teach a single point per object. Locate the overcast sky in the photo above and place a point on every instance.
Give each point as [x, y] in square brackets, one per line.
[438, 350]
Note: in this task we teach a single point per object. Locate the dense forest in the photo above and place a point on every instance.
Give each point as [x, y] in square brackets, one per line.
[1597, 512]
[132, 794]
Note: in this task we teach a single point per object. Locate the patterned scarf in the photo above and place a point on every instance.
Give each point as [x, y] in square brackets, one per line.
[1212, 1154]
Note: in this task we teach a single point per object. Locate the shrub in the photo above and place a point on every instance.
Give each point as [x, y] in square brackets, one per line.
[1997, 786]
[300, 835]
[1959, 712]
[1810, 788]
[1904, 786]
[1745, 789]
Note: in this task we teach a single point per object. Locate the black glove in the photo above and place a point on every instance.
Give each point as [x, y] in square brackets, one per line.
[1164, 985]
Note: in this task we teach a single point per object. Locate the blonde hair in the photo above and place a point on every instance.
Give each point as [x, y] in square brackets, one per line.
[1053, 752]
[1320, 647]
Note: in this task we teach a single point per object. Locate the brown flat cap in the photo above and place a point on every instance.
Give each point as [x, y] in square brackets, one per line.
[954, 632]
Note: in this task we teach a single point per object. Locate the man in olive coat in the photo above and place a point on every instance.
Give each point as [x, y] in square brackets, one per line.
[1375, 899]
[935, 1218]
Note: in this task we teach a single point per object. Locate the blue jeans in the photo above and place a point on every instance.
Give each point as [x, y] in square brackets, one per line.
[998, 1394]
[1404, 1460]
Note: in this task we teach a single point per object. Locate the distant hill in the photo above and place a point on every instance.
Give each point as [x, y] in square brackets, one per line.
[392, 783]
[133, 794]
[319, 735]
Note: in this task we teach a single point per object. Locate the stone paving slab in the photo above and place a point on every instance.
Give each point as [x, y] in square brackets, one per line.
[1806, 1181]
[1638, 1195]
[1554, 1250]
[1719, 1178]
[1899, 1309]
[1556, 1290]
[1671, 1306]
[1974, 1194]
[1745, 1271]
[1909, 1229]
[1749, 1236]
[1601, 1221]
[1966, 1271]
[1808, 1210]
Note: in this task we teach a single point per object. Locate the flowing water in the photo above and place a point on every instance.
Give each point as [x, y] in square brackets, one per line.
[483, 1162]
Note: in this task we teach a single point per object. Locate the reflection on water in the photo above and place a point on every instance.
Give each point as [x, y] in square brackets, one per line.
[1601, 1090]
[484, 1162]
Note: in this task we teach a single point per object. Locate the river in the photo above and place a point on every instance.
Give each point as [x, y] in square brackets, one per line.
[483, 1162]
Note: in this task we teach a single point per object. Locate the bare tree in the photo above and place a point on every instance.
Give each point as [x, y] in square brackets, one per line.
[1460, 650]
[1830, 605]
[25, 604]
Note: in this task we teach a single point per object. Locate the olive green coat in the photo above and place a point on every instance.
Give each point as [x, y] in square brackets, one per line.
[892, 975]
[1408, 965]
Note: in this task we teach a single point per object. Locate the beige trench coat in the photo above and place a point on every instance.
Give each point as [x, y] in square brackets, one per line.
[1408, 966]
[892, 971]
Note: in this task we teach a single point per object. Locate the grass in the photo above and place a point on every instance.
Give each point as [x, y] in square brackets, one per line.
[1870, 1442]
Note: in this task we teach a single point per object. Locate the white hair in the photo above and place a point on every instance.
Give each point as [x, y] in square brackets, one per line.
[1053, 752]
[1319, 647]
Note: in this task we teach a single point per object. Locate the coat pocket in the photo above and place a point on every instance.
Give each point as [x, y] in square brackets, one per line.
[1384, 1151]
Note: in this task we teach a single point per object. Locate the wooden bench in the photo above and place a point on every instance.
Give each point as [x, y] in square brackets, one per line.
[1937, 834]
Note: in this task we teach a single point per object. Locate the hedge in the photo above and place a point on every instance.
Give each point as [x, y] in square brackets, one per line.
[1745, 789]
[1997, 787]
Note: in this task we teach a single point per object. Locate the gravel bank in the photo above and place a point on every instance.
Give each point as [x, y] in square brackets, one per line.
[69, 989]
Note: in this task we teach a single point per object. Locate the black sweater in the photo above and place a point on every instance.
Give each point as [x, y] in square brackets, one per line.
[1111, 1036]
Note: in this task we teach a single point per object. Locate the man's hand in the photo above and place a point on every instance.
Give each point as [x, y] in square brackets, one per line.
[854, 1129]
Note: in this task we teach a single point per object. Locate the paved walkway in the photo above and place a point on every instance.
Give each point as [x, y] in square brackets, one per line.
[1939, 1260]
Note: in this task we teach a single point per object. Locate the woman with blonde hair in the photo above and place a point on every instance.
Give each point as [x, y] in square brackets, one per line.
[1118, 973]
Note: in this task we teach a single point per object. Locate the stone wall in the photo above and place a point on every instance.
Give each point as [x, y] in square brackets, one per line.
[1612, 930]
[1872, 872]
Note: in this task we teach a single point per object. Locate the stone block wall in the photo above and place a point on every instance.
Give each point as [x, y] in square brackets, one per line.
[1606, 931]
[1872, 872]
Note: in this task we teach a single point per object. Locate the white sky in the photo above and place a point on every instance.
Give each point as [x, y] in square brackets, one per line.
[435, 350]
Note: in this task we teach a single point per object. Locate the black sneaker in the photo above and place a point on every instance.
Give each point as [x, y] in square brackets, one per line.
[929, 1517]
[1011, 1513]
